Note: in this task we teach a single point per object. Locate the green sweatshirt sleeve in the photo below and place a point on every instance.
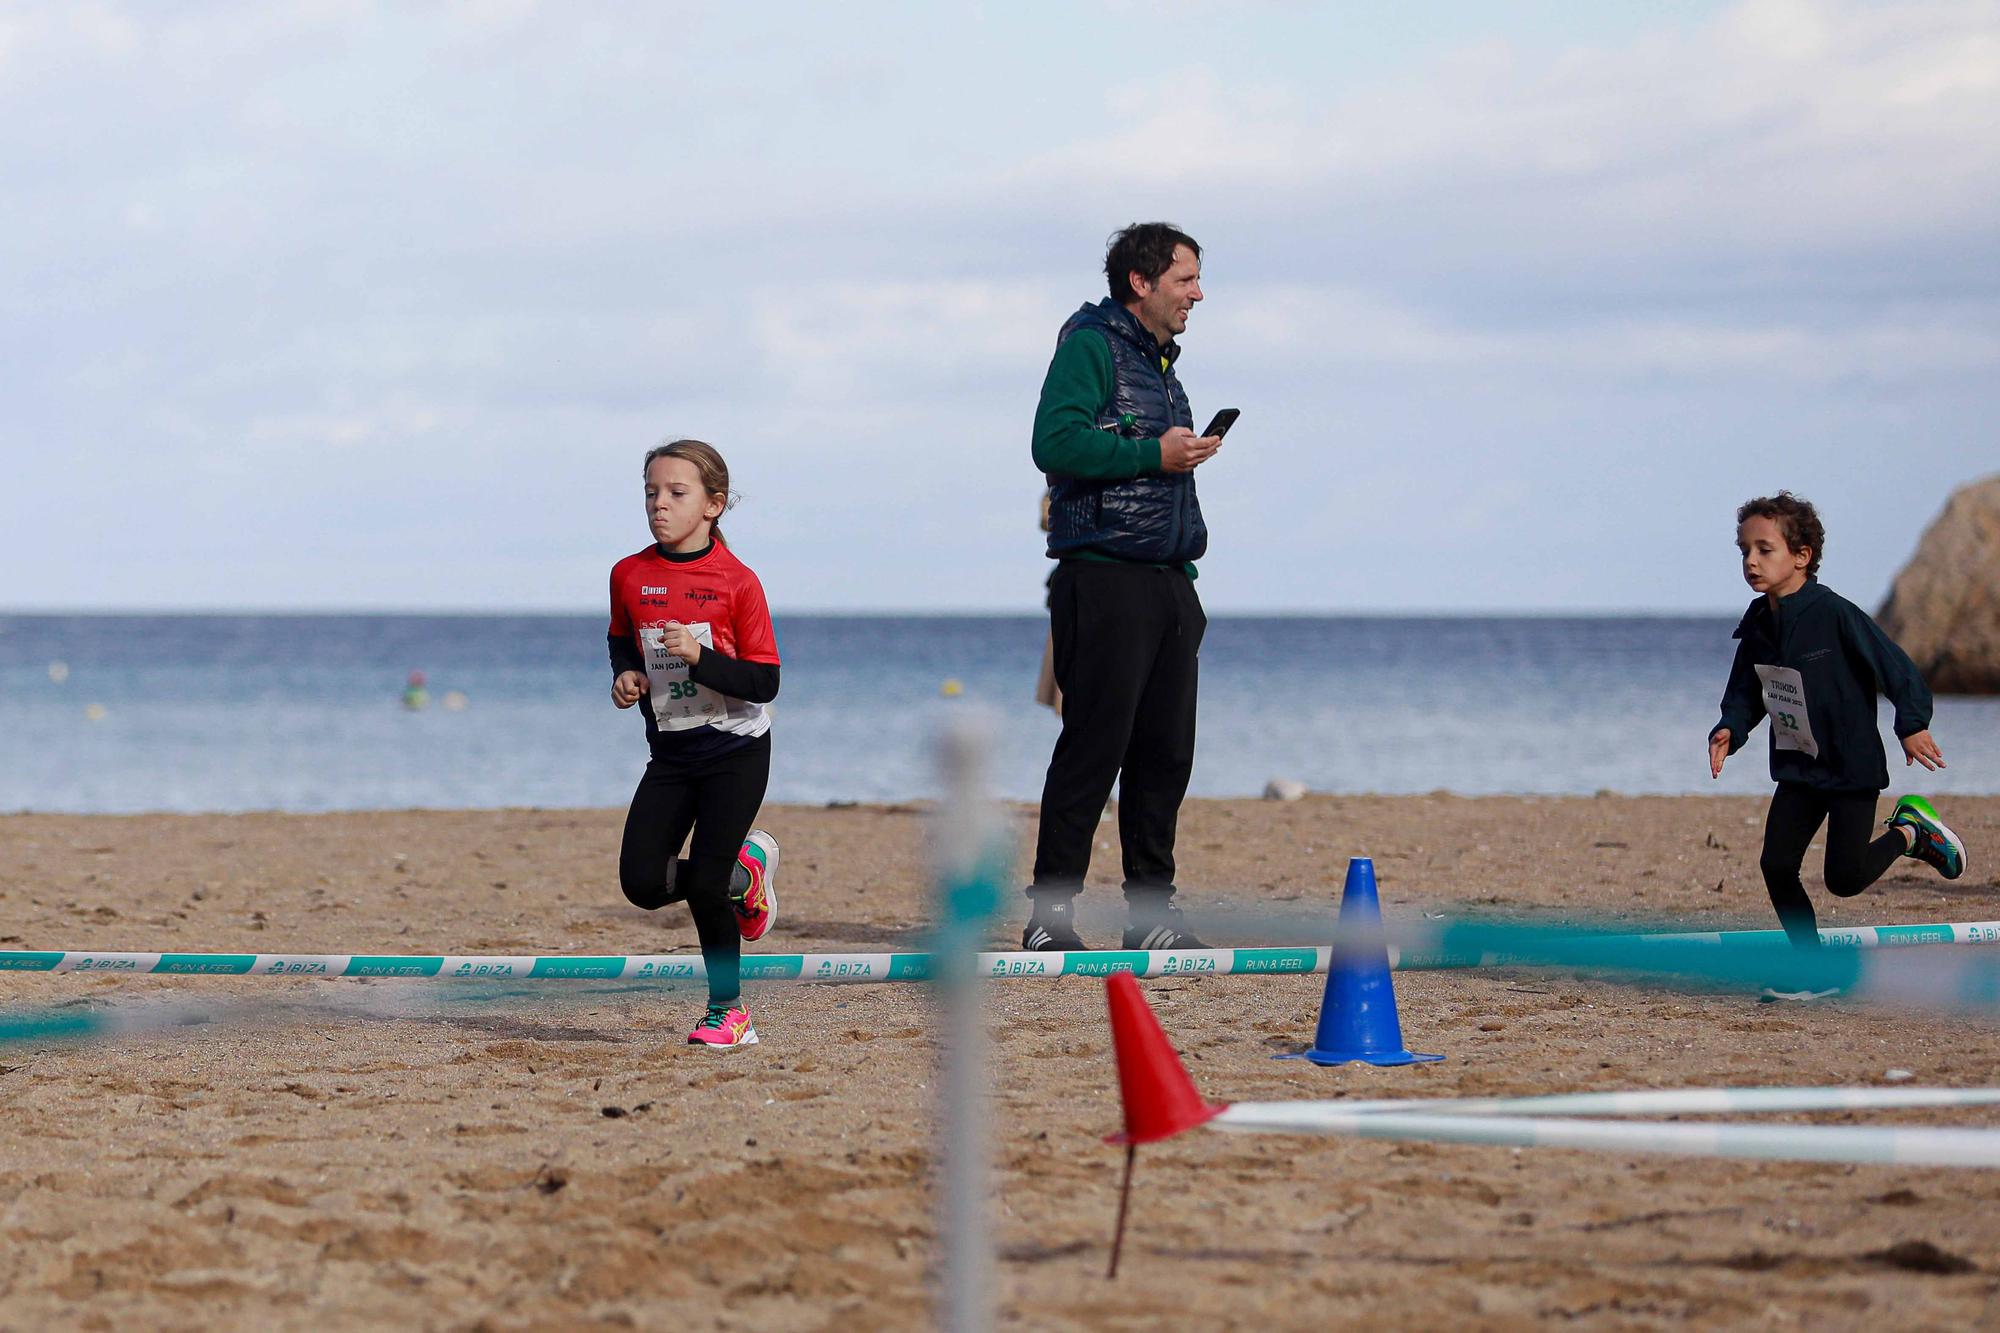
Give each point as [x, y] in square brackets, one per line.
[1067, 441]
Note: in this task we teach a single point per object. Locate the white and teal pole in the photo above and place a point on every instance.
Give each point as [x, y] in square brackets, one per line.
[973, 857]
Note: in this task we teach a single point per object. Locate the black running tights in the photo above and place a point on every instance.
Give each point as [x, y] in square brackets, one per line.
[716, 799]
[1852, 861]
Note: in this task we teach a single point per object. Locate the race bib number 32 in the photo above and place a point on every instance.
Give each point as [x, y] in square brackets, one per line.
[1785, 702]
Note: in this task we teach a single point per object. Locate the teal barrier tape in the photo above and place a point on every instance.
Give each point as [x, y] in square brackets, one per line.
[394, 965]
[1275, 961]
[910, 967]
[773, 966]
[1776, 966]
[17, 961]
[1730, 957]
[208, 964]
[577, 967]
[18, 1028]
[1914, 935]
[1103, 962]
[1940, 979]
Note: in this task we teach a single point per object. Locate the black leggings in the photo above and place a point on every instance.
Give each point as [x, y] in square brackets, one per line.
[1852, 861]
[718, 800]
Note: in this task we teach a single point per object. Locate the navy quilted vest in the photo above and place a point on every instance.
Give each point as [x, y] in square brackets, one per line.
[1152, 517]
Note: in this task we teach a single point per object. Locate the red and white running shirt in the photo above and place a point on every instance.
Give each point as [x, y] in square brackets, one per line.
[722, 604]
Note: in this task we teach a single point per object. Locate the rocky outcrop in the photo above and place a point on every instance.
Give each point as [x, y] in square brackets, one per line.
[1944, 608]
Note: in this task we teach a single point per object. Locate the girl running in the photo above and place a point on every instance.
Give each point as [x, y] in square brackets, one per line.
[691, 634]
[1812, 662]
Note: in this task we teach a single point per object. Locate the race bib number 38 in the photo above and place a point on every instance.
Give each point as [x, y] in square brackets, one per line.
[678, 703]
[1785, 701]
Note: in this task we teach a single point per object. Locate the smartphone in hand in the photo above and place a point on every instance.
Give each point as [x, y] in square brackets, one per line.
[1219, 425]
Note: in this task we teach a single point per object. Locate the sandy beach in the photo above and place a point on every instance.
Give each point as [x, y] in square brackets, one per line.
[374, 1153]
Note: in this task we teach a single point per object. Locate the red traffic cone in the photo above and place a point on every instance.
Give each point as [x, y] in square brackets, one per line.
[1160, 1099]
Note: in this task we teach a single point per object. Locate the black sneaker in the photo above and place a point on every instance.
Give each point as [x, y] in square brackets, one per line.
[1161, 928]
[1052, 927]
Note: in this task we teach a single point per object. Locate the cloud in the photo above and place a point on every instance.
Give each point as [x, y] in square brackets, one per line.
[457, 264]
[56, 37]
[1780, 121]
[1360, 331]
[399, 421]
[846, 338]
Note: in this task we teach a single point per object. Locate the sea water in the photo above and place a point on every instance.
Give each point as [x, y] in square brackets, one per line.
[107, 713]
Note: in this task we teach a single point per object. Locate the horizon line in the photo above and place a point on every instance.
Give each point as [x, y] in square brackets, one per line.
[904, 613]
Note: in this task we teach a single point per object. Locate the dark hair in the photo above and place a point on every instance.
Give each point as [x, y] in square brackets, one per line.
[1798, 522]
[708, 462]
[1145, 248]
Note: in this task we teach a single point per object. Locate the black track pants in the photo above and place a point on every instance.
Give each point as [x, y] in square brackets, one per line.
[1126, 644]
[718, 800]
[1853, 862]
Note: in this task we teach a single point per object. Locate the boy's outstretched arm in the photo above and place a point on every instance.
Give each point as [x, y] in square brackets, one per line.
[1742, 709]
[1718, 750]
[1919, 748]
[1896, 679]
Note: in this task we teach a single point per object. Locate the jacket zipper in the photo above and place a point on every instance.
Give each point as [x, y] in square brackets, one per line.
[1177, 527]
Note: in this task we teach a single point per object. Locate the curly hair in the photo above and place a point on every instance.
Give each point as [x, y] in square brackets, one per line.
[1797, 520]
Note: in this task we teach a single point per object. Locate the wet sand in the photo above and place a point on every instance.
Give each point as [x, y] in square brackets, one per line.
[368, 1153]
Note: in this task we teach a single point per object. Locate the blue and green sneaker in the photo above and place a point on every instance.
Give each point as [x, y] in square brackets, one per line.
[1933, 844]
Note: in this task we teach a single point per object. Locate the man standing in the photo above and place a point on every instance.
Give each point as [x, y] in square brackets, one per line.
[1115, 437]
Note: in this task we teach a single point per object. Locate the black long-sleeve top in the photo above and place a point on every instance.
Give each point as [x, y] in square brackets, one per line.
[1844, 660]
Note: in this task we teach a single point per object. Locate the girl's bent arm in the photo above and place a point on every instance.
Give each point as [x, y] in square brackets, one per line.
[625, 655]
[752, 682]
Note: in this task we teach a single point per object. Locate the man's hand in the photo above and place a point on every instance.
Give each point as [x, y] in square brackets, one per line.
[1718, 750]
[1921, 749]
[1181, 450]
[627, 689]
[679, 640]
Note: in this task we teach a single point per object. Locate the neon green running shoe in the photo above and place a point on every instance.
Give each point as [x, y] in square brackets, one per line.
[1934, 844]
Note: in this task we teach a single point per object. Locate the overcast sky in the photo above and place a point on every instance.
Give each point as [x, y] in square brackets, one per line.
[348, 305]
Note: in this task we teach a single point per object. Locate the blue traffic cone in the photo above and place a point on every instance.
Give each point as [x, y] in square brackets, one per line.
[1357, 1018]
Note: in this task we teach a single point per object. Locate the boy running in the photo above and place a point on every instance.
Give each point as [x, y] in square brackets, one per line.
[1813, 663]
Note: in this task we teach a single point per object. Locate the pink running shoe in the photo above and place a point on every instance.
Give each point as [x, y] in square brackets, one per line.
[757, 905]
[724, 1027]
